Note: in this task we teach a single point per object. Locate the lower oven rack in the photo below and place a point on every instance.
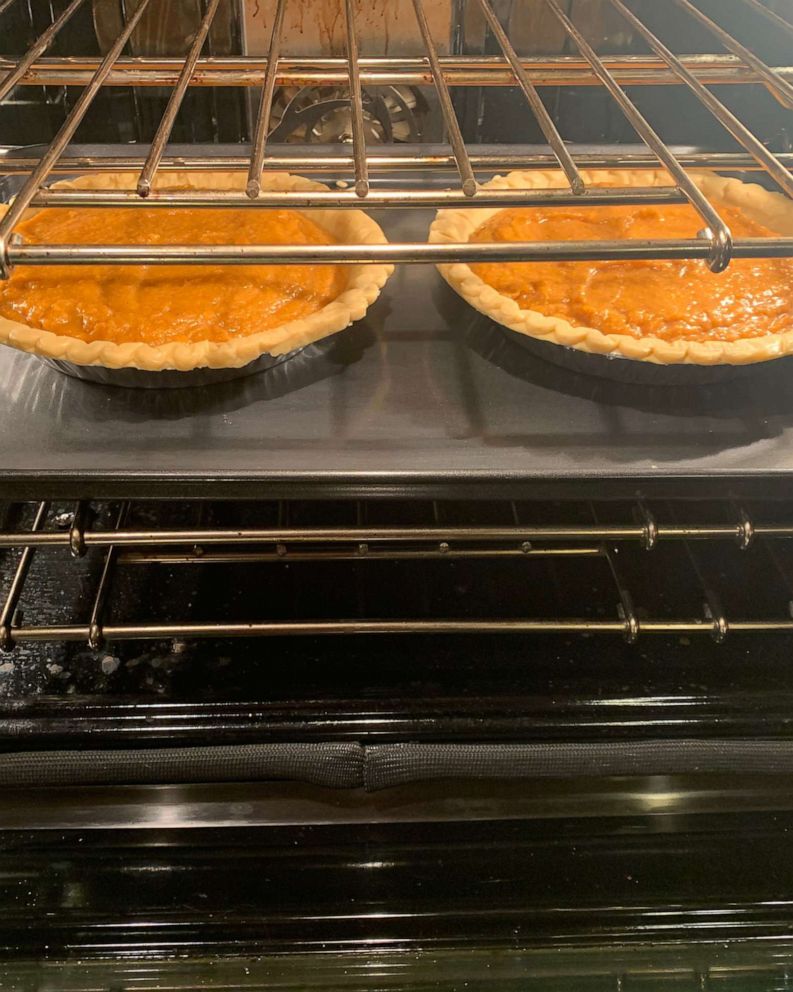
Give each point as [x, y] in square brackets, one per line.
[178, 624]
[268, 550]
[611, 877]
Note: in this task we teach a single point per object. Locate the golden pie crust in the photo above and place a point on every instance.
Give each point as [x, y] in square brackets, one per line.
[363, 285]
[773, 210]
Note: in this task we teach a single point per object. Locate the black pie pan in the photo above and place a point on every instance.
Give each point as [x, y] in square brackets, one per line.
[167, 379]
[630, 370]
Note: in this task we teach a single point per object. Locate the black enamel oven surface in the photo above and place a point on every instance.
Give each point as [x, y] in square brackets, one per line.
[662, 879]
[441, 905]
[667, 880]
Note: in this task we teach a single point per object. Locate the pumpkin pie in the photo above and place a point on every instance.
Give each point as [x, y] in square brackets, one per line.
[662, 311]
[156, 317]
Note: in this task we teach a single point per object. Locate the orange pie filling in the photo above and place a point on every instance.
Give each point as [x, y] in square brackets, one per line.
[171, 303]
[671, 300]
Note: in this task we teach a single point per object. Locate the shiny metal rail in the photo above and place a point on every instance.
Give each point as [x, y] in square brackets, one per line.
[259, 143]
[716, 231]
[736, 128]
[95, 629]
[123, 546]
[458, 70]
[356, 102]
[149, 171]
[417, 253]
[778, 86]
[160, 631]
[713, 244]
[339, 200]
[646, 531]
[786, 27]
[67, 131]
[38, 47]
[199, 555]
[445, 101]
[382, 160]
[533, 99]
[18, 582]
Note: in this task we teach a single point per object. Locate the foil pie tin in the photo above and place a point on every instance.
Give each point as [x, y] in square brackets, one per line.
[168, 378]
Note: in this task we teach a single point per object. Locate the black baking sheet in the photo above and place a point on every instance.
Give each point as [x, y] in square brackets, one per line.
[422, 396]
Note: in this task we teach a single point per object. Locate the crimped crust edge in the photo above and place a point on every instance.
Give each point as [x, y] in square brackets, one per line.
[457, 225]
[347, 226]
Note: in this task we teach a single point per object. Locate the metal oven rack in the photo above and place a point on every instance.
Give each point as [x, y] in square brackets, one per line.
[620, 553]
[130, 623]
[693, 73]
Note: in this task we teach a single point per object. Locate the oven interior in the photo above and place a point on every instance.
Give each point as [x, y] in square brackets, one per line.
[420, 663]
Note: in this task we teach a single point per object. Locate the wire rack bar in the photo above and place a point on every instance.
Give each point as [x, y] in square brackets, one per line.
[149, 171]
[380, 161]
[76, 534]
[286, 536]
[155, 631]
[536, 105]
[415, 253]
[716, 231]
[458, 70]
[356, 102]
[4, 5]
[779, 22]
[18, 583]
[337, 200]
[265, 104]
[64, 136]
[714, 610]
[723, 115]
[95, 633]
[125, 546]
[625, 607]
[37, 49]
[200, 556]
[713, 244]
[445, 100]
[780, 87]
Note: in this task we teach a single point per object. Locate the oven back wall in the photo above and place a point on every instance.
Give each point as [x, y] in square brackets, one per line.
[583, 114]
